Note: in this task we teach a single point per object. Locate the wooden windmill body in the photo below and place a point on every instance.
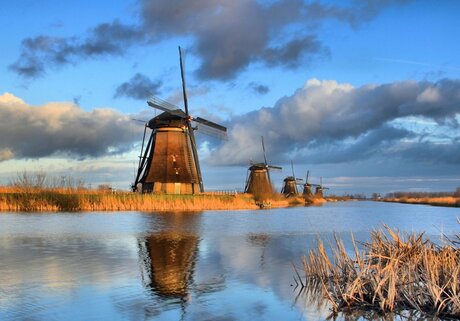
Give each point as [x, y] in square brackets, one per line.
[258, 181]
[169, 163]
[307, 187]
[289, 188]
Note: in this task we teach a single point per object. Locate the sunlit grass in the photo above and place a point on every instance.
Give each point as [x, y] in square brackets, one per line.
[13, 199]
[38, 191]
[449, 201]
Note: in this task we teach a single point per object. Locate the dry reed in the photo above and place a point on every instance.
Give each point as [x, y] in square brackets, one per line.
[392, 273]
[12, 199]
[447, 201]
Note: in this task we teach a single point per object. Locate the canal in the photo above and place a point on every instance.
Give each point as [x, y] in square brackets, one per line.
[211, 265]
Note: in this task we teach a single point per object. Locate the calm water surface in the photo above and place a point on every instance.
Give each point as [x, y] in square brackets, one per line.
[211, 265]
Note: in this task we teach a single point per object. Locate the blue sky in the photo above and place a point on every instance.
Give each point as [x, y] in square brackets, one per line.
[363, 93]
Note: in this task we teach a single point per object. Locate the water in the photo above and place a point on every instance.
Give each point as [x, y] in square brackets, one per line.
[212, 265]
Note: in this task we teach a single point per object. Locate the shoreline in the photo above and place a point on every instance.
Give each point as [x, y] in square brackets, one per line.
[449, 201]
[88, 200]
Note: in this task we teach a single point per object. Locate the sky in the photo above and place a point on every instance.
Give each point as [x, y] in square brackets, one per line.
[363, 94]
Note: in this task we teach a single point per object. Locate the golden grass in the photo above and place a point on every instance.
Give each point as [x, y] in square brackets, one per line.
[447, 201]
[314, 200]
[393, 273]
[30, 199]
[90, 200]
[279, 200]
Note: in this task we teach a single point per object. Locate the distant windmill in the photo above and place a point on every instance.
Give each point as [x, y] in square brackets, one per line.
[258, 182]
[307, 187]
[169, 163]
[319, 189]
[290, 184]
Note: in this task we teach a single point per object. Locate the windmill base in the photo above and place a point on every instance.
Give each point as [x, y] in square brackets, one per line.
[171, 188]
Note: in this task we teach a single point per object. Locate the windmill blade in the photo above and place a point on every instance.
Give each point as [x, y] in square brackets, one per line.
[325, 187]
[211, 131]
[184, 91]
[163, 105]
[263, 148]
[211, 124]
[292, 166]
[140, 120]
[299, 179]
[308, 172]
[276, 168]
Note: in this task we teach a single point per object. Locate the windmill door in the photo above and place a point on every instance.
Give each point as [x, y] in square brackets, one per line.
[176, 188]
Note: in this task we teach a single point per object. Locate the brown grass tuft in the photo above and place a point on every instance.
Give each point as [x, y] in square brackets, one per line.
[393, 273]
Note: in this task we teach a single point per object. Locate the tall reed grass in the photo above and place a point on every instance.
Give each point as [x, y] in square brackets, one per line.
[12, 199]
[392, 272]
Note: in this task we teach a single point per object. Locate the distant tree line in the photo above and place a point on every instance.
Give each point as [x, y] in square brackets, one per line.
[356, 196]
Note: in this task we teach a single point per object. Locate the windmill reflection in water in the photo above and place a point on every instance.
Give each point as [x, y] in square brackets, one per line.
[168, 256]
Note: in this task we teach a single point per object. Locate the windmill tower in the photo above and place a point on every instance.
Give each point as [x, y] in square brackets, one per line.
[258, 181]
[169, 162]
[307, 187]
[319, 189]
[290, 184]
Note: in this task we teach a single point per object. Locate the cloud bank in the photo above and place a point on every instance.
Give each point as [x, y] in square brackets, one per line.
[228, 36]
[62, 129]
[330, 122]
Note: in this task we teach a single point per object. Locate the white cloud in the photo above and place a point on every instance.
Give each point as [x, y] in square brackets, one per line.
[61, 128]
[429, 95]
[333, 122]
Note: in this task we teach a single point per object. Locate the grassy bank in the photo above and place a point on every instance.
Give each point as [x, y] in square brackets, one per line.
[393, 273]
[447, 201]
[92, 200]
[55, 200]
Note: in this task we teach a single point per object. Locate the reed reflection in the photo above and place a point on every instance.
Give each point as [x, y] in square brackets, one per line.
[168, 256]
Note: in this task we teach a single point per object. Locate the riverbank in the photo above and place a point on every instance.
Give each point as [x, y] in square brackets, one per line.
[446, 201]
[57, 200]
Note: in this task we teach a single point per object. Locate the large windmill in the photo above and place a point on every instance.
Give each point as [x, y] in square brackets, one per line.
[258, 181]
[290, 184]
[169, 163]
[307, 187]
